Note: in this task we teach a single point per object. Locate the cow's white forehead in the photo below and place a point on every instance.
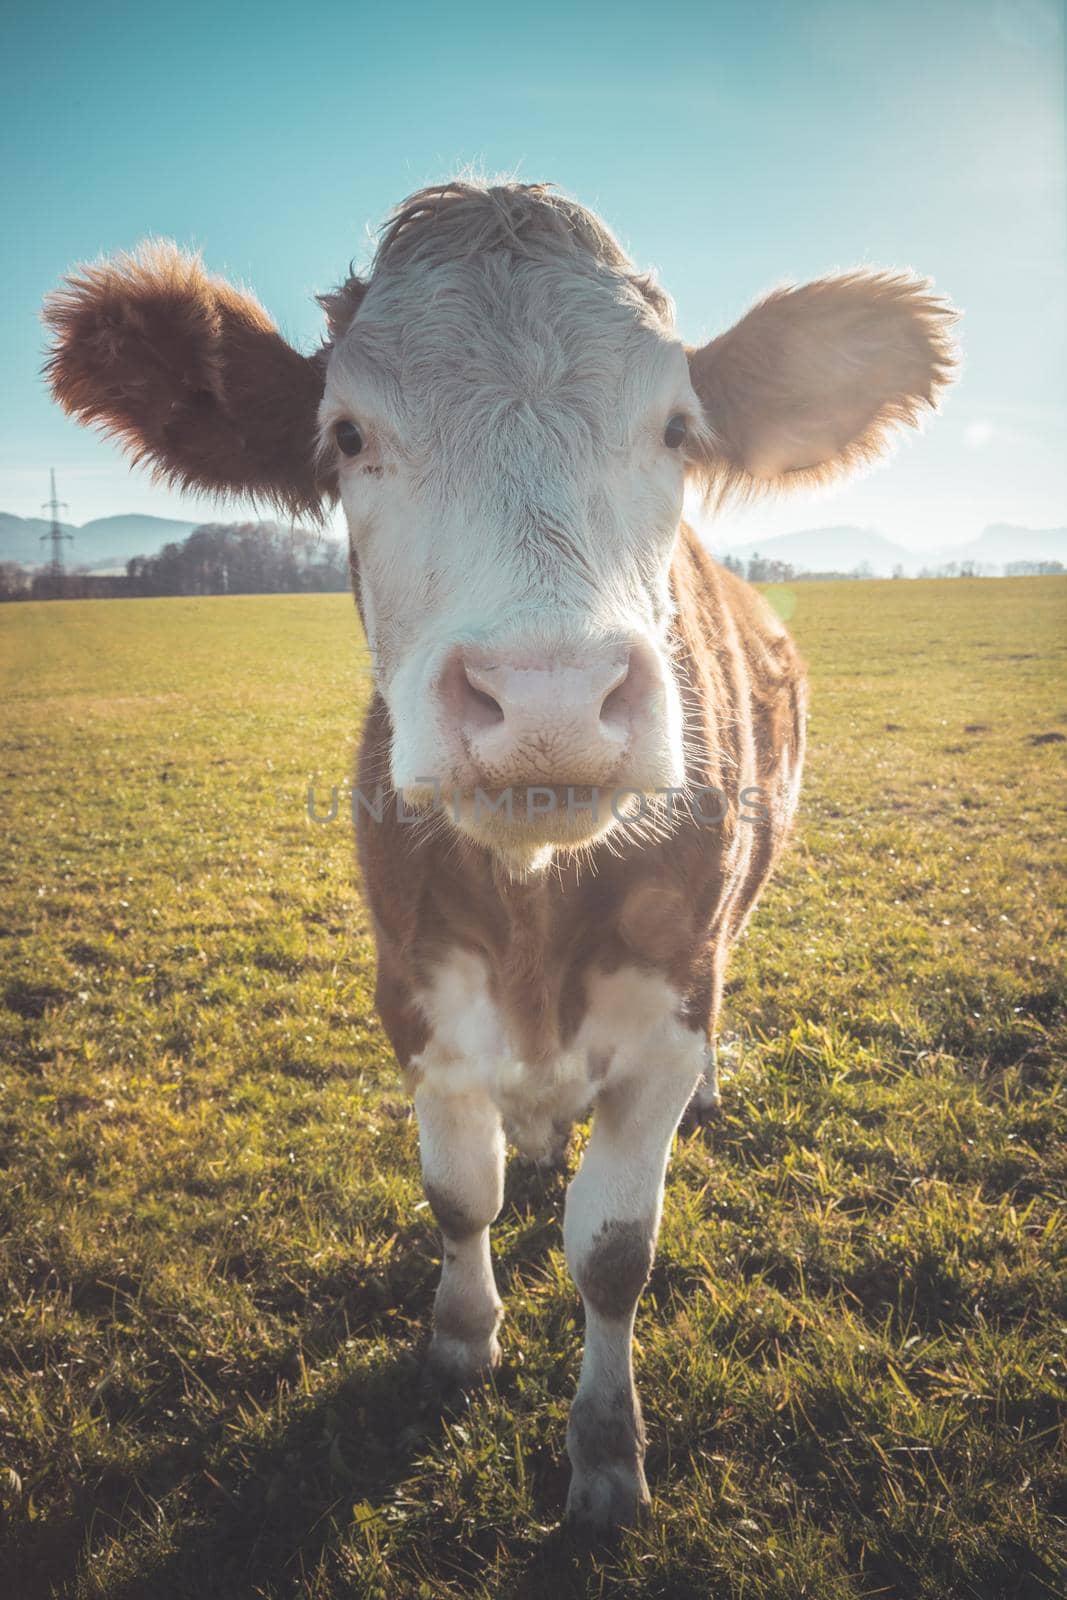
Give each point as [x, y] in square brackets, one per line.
[529, 353]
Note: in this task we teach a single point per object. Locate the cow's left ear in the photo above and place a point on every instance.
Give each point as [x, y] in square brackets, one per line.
[189, 374]
[813, 380]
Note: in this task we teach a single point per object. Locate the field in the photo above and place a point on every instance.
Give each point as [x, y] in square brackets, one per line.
[217, 1262]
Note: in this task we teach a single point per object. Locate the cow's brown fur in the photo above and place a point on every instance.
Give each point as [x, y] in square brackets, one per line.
[190, 374]
[671, 905]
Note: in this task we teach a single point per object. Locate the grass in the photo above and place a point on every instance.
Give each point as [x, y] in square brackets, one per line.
[217, 1263]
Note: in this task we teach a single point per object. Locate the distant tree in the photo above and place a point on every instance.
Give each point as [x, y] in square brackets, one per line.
[242, 558]
[14, 581]
[765, 569]
[1033, 569]
[46, 585]
[959, 569]
[898, 571]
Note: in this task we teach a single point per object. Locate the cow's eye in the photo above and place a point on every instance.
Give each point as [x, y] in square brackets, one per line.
[349, 438]
[675, 433]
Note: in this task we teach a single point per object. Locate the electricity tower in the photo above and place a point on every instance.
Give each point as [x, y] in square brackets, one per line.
[56, 535]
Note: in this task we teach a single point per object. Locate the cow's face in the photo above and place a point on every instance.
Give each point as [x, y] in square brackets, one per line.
[508, 417]
[511, 438]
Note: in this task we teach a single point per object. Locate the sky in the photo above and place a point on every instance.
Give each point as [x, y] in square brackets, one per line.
[732, 145]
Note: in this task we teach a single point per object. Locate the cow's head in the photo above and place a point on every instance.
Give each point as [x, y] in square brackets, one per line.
[508, 417]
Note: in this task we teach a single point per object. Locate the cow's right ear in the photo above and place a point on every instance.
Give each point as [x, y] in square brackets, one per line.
[814, 380]
[190, 374]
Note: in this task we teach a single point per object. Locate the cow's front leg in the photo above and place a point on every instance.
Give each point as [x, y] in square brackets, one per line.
[462, 1148]
[609, 1230]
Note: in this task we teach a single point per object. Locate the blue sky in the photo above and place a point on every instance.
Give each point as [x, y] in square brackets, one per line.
[732, 144]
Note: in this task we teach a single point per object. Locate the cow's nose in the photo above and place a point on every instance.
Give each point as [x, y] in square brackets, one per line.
[535, 694]
[543, 718]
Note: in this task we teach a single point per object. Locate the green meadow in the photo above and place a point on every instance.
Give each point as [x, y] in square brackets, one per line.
[217, 1265]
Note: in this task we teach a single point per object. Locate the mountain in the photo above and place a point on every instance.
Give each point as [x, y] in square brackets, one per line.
[116, 539]
[844, 549]
[829, 550]
[20, 539]
[104, 542]
[1002, 542]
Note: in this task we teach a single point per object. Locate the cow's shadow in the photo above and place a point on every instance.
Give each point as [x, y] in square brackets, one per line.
[256, 1507]
[250, 1500]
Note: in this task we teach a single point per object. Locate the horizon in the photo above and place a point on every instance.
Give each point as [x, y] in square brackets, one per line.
[277, 161]
[707, 525]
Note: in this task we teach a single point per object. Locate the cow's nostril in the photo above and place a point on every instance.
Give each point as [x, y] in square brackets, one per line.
[480, 704]
[615, 707]
[487, 705]
[615, 711]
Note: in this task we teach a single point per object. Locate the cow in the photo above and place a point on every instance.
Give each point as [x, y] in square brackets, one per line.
[593, 733]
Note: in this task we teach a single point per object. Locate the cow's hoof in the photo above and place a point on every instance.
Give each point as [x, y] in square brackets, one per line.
[603, 1502]
[706, 1104]
[704, 1107]
[454, 1367]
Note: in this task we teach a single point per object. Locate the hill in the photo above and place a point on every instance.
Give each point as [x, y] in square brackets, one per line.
[1002, 542]
[827, 550]
[843, 549]
[103, 542]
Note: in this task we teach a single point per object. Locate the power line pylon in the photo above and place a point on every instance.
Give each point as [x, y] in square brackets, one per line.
[56, 535]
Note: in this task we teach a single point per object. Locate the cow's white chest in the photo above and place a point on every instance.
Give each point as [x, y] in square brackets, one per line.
[631, 1024]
